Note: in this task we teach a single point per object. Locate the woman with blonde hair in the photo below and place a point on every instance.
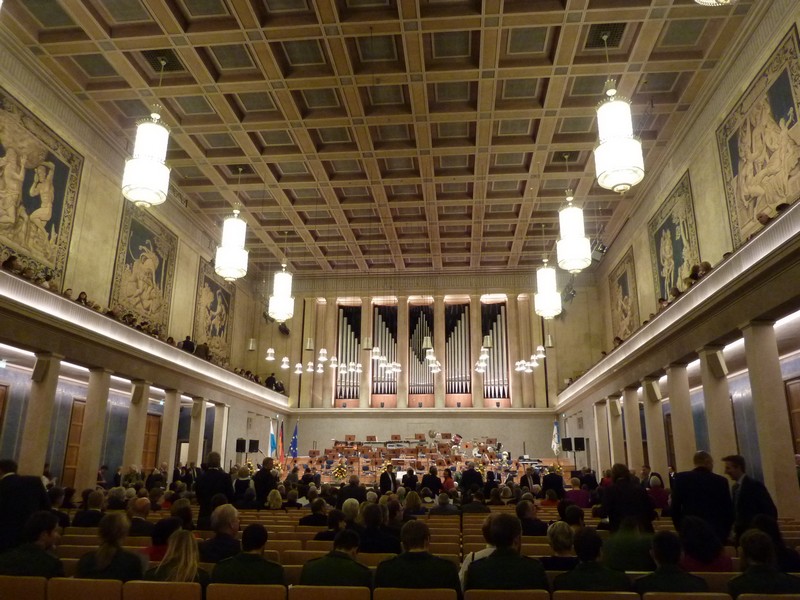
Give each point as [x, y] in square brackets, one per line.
[110, 561]
[275, 501]
[181, 561]
[414, 504]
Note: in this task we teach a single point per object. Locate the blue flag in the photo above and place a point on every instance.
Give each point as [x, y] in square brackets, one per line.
[273, 442]
[293, 444]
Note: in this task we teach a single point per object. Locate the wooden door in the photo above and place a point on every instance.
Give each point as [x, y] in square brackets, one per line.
[152, 430]
[73, 443]
[793, 402]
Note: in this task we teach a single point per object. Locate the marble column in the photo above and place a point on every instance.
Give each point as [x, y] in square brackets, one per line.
[683, 438]
[197, 431]
[220, 439]
[475, 342]
[718, 405]
[525, 348]
[601, 437]
[439, 350]
[615, 433]
[168, 442]
[329, 377]
[321, 309]
[772, 416]
[513, 351]
[39, 413]
[295, 353]
[539, 379]
[94, 421]
[309, 327]
[402, 351]
[633, 428]
[365, 358]
[654, 422]
[137, 423]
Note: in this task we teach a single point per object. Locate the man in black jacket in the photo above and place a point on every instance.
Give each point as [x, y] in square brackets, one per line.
[264, 481]
[388, 482]
[704, 494]
[432, 481]
[469, 479]
[20, 497]
[213, 481]
[352, 490]
[225, 523]
[553, 481]
[750, 496]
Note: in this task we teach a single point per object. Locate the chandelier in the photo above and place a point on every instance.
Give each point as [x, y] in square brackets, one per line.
[230, 262]
[715, 2]
[618, 156]
[573, 249]
[145, 181]
[281, 302]
[546, 300]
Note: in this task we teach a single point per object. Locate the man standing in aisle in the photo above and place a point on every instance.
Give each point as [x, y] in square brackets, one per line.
[750, 496]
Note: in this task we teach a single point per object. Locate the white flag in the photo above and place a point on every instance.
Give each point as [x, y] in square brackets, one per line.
[556, 443]
[273, 443]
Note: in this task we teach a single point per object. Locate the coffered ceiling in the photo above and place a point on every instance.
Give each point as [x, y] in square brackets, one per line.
[384, 135]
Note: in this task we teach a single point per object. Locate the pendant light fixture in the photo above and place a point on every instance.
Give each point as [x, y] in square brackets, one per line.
[270, 354]
[546, 300]
[281, 302]
[230, 261]
[285, 362]
[618, 156]
[715, 2]
[573, 250]
[145, 180]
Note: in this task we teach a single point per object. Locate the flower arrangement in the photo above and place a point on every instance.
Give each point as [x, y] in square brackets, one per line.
[339, 472]
[385, 464]
[250, 467]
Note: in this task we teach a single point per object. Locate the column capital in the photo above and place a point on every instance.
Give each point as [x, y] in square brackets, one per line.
[141, 382]
[710, 348]
[172, 391]
[674, 366]
[600, 402]
[631, 387]
[615, 396]
[757, 323]
[48, 356]
[100, 370]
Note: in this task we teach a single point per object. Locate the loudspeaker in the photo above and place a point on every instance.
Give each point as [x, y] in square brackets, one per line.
[652, 391]
[716, 364]
[614, 407]
[566, 444]
[419, 404]
[381, 404]
[580, 444]
[40, 369]
[497, 405]
[198, 405]
[344, 404]
[241, 445]
[458, 404]
[253, 447]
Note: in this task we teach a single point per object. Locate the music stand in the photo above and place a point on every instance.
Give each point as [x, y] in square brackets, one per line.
[395, 437]
[372, 438]
[349, 438]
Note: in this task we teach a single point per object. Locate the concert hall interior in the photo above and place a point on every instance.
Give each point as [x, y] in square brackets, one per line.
[408, 162]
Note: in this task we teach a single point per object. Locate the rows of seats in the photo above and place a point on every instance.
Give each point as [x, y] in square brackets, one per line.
[39, 588]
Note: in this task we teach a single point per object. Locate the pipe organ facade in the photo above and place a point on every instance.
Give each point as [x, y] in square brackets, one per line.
[349, 353]
[458, 364]
[420, 377]
[384, 332]
[496, 380]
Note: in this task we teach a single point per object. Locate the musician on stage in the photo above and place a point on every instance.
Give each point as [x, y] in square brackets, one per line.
[410, 480]
[388, 481]
[530, 479]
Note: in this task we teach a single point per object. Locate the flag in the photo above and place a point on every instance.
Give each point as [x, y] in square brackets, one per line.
[279, 450]
[556, 443]
[273, 442]
[293, 444]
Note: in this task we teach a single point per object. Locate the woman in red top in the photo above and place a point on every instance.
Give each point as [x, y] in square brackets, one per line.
[448, 483]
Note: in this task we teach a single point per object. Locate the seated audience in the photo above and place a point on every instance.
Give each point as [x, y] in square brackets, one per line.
[658, 495]
[550, 498]
[668, 576]
[181, 509]
[787, 559]
[317, 517]
[560, 535]
[249, 566]
[275, 501]
[110, 561]
[181, 562]
[291, 500]
[373, 538]
[628, 549]
[397, 517]
[579, 496]
[531, 525]
[339, 567]
[159, 538]
[336, 523]
[506, 568]
[444, 506]
[589, 575]
[702, 550]
[56, 495]
[626, 498]
[760, 575]
[225, 524]
[473, 556]
[416, 567]
[35, 558]
[475, 505]
[414, 504]
[247, 501]
[573, 516]
[138, 512]
[92, 514]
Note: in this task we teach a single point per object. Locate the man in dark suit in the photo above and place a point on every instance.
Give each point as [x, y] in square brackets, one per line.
[530, 479]
[668, 576]
[469, 479]
[417, 568]
[140, 526]
[339, 567]
[93, 514]
[476, 504]
[352, 490]
[553, 481]
[225, 523]
[374, 538]
[704, 494]
[388, 482]
[531, 525]
[249, 567]
[20, 497]
[410, 481]
[750, 496]
[432, 481]
[589, 575]
[317, 518]
[35, 557]
[212, 482]
[264, 481]
[760, 575]
[444, 506]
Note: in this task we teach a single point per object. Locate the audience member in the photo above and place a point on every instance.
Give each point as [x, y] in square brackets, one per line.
[110, 561]
[225, 524]
[416, 567]
[750, 496]
[432, 482]
[265, 480]
[275, 501]
[760, 576]
[574, 517]
[182, 510]
[373, 538]
[628, 549]
[704, 494]
[702, 550]
[56, 496]
[659, 496]
[444, 506]
[410, 480]
[35, 558]
[625, 498]
[213, 481]
[335, 523]
[506, 568]
[339, 567]
[159, 538]
[579, 496]
[560, 535]
[388, 480]
[475, 505]
[20, 497]
[414, 504]
[352, 490]
[668, 576]
[250, 566]
[291, 500]
[471, 479]
[527, 515]
[138, 512]
[589, 575]
[787, 559]
[317, 516]
[181, 562]
[93, 513]
[479, 554]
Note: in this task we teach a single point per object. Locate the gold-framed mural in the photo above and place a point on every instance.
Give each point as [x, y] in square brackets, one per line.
[672, 232]
[39, 179]
[144, 269]
[213, 314]
[623, 297]
[759, 143]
